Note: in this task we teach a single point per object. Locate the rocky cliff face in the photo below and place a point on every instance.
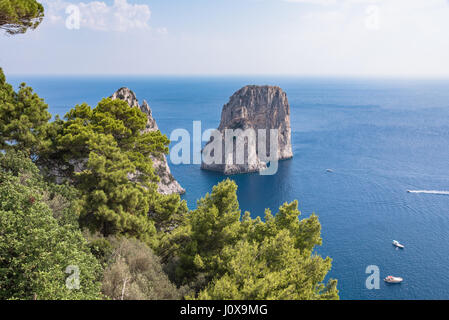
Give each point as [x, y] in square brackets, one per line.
[254, 107]
[167, 184]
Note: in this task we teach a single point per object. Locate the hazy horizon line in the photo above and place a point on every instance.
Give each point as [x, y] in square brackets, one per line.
[236, 75]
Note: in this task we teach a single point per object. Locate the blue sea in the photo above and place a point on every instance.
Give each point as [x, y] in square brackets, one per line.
[380, 137]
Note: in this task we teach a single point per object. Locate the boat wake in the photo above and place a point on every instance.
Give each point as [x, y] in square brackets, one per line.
[429, 192]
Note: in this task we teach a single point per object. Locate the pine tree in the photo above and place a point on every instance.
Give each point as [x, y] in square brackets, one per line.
[223, 255]
[17, 16]
[105, 152]
[23, 119]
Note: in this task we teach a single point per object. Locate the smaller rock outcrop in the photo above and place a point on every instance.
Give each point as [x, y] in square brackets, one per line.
[167, 183]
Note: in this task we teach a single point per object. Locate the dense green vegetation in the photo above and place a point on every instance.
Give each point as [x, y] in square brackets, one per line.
[105, 154]
[226, 256]
[37, 241]
[23, 119]
[81, 191]
[17, 16]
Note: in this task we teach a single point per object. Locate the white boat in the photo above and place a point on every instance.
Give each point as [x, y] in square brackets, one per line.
[397, 244]
[391, 279]
[329, 170]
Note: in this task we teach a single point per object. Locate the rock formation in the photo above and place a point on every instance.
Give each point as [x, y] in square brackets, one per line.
[167, 184]
[253, 107]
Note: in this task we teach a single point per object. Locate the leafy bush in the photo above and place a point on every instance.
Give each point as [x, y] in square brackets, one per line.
[35, 249]
[135, 273]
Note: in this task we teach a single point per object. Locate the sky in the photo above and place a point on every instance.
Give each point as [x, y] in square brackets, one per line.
[368, 38]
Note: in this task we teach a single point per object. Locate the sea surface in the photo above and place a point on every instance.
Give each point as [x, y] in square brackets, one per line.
[380, 138]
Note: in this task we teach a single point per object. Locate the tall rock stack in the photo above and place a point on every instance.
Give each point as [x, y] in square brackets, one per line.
[254, 107]
[167, 183]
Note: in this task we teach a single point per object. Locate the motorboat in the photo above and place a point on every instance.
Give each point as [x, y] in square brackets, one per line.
[391, 279]
[397, 244]
[329, 170]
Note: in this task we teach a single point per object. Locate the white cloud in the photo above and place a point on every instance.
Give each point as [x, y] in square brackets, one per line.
[162, 30]
[97, 15]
